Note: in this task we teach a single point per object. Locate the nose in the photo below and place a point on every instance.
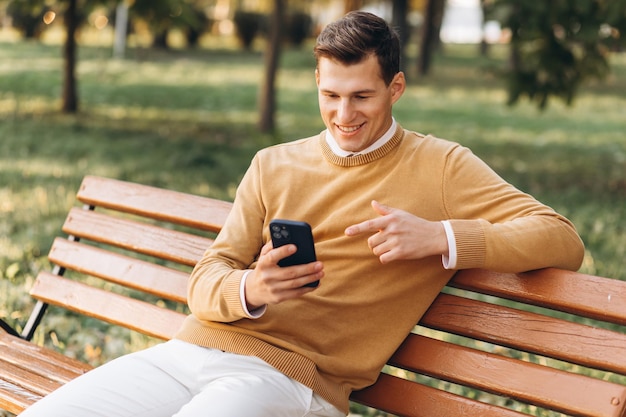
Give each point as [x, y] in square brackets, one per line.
[345, 111]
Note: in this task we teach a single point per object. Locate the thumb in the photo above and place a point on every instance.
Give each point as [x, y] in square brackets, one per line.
[381, 208]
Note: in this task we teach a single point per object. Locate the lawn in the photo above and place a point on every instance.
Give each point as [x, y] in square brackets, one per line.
[186, 120]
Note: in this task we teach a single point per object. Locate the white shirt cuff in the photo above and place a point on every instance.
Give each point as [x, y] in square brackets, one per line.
[449, 262]
[256, 313]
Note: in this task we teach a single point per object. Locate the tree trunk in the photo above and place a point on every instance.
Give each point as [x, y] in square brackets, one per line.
[400, 10]
[350, 5]
[267, 96]
[70, 98]
[484, 45]
[433, 18]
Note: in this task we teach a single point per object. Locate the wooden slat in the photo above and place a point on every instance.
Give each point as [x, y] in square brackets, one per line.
[14, 398]
[133, 273]
[535, 333]
[107, 306]
[405, 398]
[528, 382]
[156, 203]
[40, 360]
[30, 381]
[22, 363]
[585, 295]
[144, 238]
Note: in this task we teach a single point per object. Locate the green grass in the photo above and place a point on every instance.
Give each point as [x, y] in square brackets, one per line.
[186, 120]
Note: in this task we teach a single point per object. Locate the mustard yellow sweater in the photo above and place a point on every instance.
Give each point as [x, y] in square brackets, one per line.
[337, 338]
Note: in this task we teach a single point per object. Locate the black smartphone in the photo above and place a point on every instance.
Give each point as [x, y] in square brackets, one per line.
[299, 233]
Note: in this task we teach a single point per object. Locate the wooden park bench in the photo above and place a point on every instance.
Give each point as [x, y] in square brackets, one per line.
[490, 343]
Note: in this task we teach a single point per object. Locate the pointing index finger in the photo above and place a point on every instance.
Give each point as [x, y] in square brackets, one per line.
[366, 226]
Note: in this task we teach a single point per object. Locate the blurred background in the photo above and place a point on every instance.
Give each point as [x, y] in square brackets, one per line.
[181, 93]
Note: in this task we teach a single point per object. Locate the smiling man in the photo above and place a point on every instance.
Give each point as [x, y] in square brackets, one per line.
[356, 110]
[394, 214]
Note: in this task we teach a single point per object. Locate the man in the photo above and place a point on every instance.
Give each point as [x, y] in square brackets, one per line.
[394, 214]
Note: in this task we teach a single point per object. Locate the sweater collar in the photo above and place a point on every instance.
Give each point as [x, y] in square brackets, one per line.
[379, 149]
[334, 146]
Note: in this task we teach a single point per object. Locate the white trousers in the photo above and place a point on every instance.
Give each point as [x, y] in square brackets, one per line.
[179, 379]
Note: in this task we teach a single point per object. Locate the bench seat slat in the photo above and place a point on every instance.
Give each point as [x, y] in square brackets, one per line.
[133, 273]
[604, 299]
[405, 398]
[30, 371]
[156, 203]
[144, 238]
[107, 306]
[14, 398]
[21, 350]
[535, 333]
[33, 382]
[44, 362]
[536, 384]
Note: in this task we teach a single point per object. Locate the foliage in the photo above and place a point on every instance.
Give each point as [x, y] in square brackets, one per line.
[556, 46]
[299, 26]
[248, 25]
[163, 15]
[27, 16]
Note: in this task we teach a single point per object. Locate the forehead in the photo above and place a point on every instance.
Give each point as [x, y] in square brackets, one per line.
[339, 77]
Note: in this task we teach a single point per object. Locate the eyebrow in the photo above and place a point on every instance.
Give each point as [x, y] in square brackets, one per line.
[353, 93]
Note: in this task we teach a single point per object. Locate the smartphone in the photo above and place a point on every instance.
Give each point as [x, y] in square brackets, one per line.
[299, 233]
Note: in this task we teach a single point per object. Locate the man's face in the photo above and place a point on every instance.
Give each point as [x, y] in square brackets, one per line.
[355, 103]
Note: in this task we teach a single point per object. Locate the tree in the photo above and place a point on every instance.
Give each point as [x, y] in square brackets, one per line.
[433, 17]
[350, 5]
[70, 94]
[558, 45]
[163, 15]
[27, 16]
[400, 10]
[72, 19]
[267, 96]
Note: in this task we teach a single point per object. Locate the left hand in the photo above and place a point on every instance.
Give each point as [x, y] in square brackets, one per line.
[399, 235]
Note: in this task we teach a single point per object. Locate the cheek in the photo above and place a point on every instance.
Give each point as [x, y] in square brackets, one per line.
[325, 108]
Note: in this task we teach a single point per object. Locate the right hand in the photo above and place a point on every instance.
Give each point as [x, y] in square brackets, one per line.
[269, 283]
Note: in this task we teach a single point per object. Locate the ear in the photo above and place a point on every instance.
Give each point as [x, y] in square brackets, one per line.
[317, 77]
[398, 85]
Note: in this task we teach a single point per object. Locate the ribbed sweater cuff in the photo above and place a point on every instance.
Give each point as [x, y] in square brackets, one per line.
[232, 295]
[470, 243]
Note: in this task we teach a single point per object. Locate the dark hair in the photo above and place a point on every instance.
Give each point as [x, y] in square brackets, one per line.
[356, 36]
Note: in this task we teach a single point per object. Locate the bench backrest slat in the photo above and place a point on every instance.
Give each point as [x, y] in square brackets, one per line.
[405, 398]
[593, 297]
[171, 206]
[530, 332]
[104, 305]
[525, 381]
[144, 238]
[133, 273]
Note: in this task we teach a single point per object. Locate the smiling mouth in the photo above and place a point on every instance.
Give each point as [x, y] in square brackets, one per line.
[349, 129]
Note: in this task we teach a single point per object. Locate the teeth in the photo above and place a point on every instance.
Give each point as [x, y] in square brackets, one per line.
[348, 129]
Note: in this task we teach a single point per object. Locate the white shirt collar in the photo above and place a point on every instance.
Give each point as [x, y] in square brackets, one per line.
[379, 142]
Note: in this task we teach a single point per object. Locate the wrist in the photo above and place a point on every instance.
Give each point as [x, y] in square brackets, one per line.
[251, 309]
